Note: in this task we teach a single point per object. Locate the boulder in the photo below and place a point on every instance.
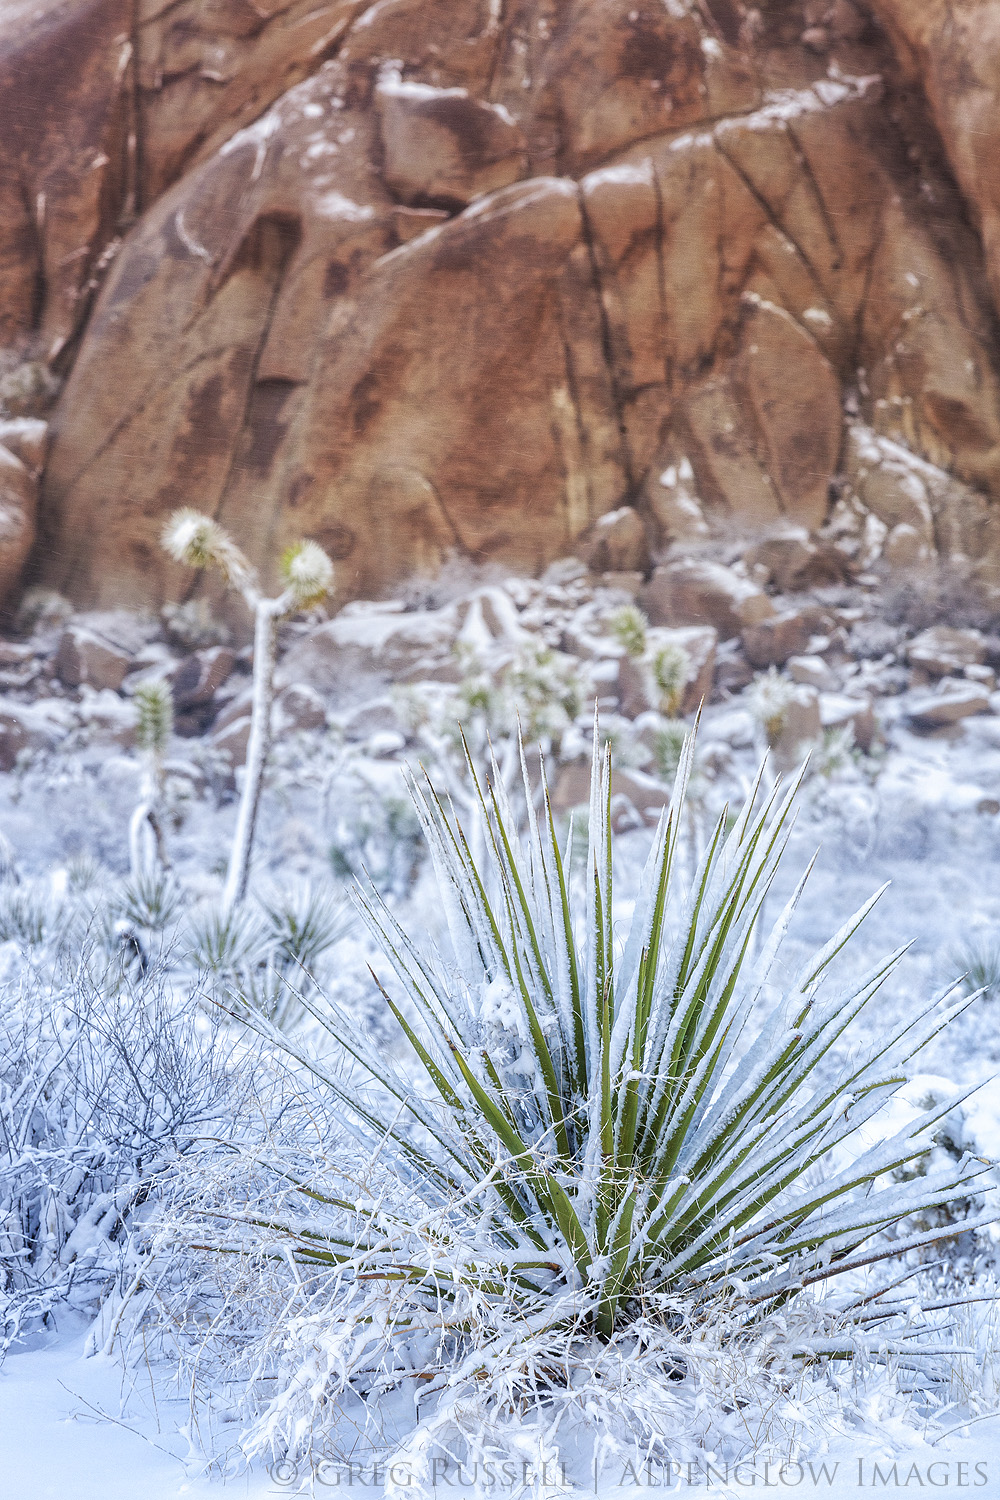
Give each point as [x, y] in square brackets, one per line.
[233, 739]
[694, 591]
[572, 789]
[378, 716]
[949, 704]
[371, 643]
[32, 726]
[84, 657]
[791, 560]
[441, 146]
[812, 671]
[946, 649]
[449, 279]
[616, 543]
[27, 438]
[837, 711]
[298, 707]
[18, 508]
[802, 726]
[197, 678]
[770, 642]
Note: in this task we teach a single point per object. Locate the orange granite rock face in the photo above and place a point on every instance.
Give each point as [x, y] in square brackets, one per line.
[422, 278]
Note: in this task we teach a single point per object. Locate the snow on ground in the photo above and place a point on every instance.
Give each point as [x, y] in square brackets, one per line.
[75, 1428]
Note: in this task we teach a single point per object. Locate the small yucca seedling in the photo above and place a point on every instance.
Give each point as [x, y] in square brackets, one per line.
[154, 705]
[670, 668]
[628, 626]
[668, 748]
[198, 541]
[768, 698]
[605, 1117]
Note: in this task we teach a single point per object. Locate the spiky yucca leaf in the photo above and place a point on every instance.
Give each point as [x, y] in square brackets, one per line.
[613, 1119]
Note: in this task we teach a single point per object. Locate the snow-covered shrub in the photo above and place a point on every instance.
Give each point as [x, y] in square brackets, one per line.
[607, 1148]
[105, 1088]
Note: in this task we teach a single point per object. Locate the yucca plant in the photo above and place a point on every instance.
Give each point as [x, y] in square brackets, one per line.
[602, 1118]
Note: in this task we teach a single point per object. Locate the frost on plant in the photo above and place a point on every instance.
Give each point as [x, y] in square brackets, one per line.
[603, 1135]
[198, 541]
[628, 626]
[670, 667]
[769, 698]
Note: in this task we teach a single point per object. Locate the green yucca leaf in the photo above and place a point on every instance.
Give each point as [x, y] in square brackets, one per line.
[615, 1119]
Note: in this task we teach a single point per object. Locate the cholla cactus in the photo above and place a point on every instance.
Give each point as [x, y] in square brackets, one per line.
[769, 698]
[200, 542]
[308, 574]
[154, 704]
[628, 626]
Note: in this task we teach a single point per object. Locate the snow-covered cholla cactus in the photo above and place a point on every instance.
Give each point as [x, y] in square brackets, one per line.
[154, 704]
[200, 542]
[608, 1121]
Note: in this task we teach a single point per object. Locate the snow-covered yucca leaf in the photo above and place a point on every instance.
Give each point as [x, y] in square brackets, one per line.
[618, 1115]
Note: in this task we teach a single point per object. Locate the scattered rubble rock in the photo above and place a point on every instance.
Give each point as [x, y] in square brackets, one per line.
[693, 591]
